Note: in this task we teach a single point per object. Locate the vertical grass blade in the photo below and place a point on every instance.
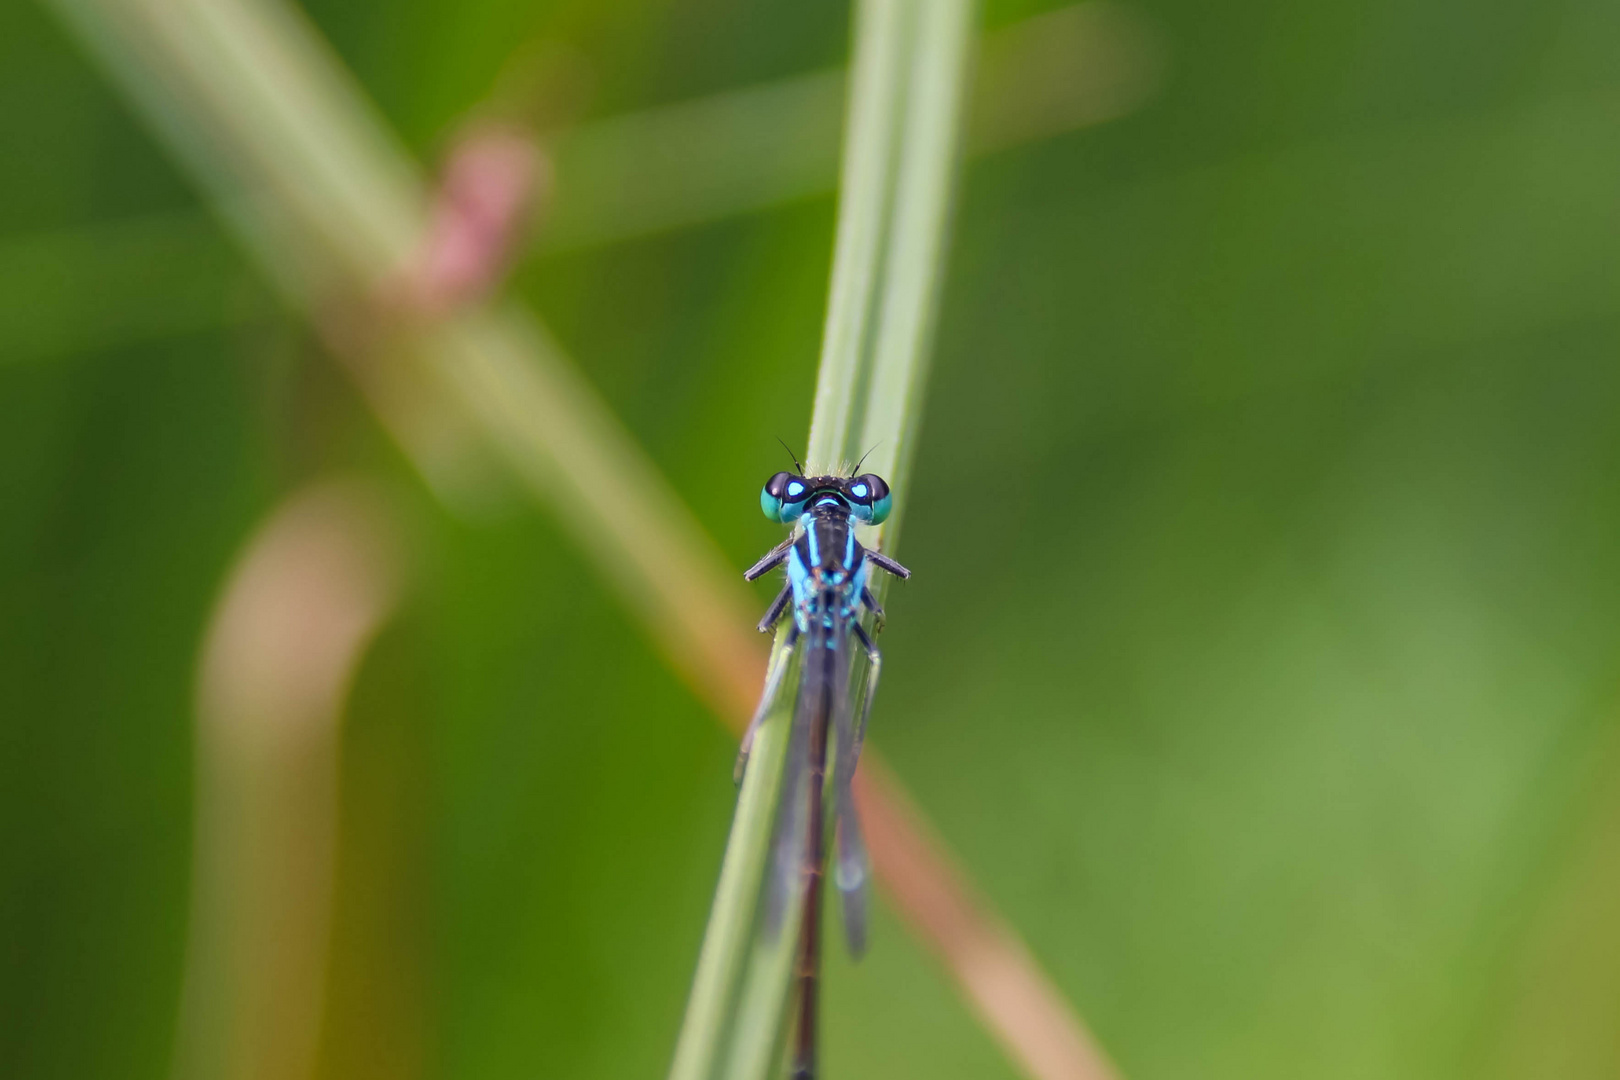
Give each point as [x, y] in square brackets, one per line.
[936, 93]
[876, 98]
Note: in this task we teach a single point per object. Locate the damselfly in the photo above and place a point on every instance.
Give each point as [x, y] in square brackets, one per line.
[827, 574]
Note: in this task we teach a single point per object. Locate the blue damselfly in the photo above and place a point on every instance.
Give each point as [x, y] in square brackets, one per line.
[826, 589]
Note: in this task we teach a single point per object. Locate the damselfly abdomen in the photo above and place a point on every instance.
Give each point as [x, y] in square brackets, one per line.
[826, 590]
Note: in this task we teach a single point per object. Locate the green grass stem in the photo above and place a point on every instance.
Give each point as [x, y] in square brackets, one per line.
[726, 945]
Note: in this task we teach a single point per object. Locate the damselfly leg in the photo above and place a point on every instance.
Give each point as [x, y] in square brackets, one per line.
[773, 558]
[774, 613]
[883, 562]
[874, 607]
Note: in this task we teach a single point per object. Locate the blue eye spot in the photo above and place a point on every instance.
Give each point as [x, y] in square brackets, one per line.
[859, 491]
[795, 489]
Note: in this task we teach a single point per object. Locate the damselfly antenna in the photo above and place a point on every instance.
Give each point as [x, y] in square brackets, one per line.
[791, 455]
[856, 471]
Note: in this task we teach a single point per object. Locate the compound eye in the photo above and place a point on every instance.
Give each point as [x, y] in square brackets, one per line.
[783, 496]
[870, 498]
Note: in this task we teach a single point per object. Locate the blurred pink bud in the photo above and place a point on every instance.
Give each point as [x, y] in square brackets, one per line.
[492, 179]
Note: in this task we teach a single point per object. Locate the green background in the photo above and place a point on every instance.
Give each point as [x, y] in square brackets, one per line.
[1260, 657]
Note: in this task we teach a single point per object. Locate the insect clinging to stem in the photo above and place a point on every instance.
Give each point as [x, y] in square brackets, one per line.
[827, 587]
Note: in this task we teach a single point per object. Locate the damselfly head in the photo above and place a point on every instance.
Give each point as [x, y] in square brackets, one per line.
[785, 496]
